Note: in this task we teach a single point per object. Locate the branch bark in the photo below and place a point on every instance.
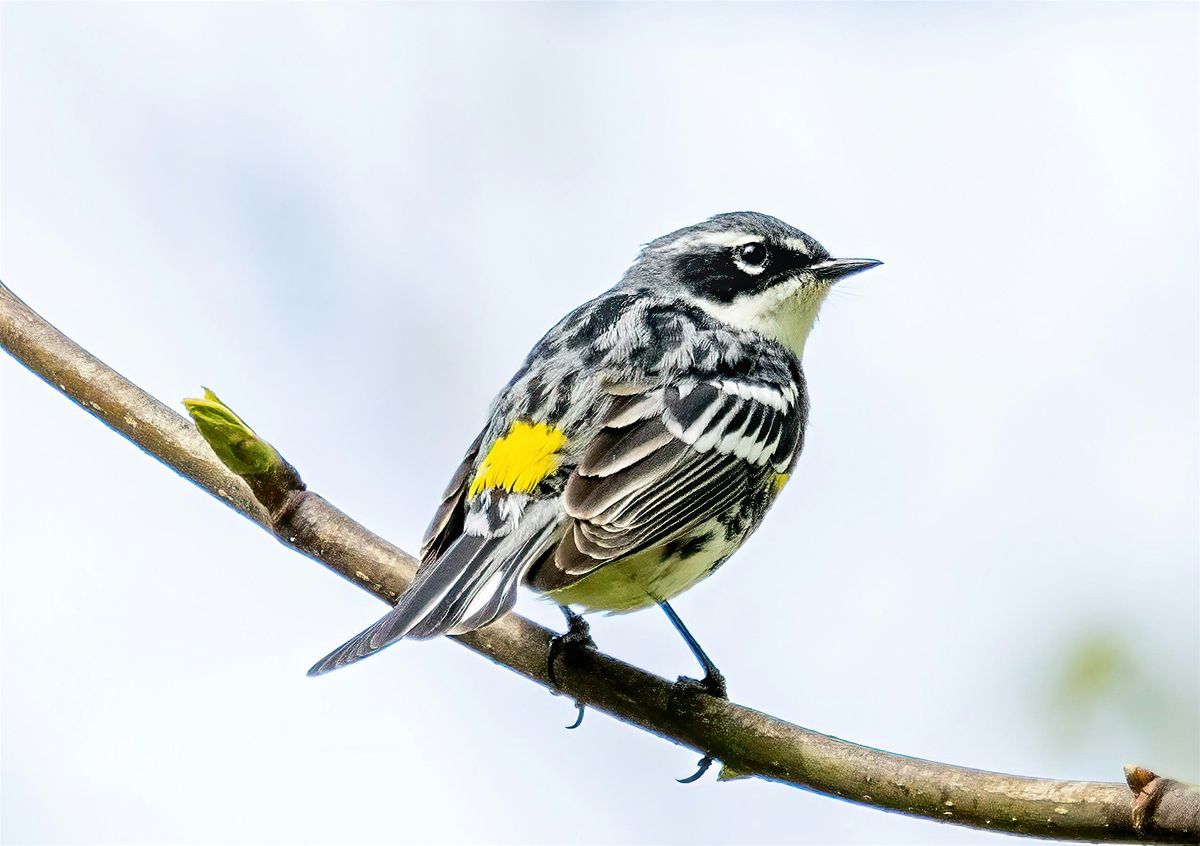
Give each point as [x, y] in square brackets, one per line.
[749, 743]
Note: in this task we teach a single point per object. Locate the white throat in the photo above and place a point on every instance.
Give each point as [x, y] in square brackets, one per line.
[785, 312]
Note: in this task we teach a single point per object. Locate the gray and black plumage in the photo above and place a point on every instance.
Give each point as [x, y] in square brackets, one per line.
[641, 442]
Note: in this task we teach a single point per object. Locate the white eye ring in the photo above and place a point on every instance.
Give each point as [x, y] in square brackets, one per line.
[751, 258]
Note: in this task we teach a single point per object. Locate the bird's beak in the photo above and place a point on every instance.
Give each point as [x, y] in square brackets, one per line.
[831, 270]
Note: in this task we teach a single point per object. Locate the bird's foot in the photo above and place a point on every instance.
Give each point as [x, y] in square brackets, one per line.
[577, 637]
[713, 684]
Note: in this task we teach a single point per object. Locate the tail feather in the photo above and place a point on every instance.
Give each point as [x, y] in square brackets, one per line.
[435, 585]
[478, 599]
[468, 586]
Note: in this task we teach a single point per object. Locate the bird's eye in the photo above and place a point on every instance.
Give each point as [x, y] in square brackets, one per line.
[751, 258]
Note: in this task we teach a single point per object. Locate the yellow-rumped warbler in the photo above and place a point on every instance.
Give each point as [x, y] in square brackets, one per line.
[641, 442]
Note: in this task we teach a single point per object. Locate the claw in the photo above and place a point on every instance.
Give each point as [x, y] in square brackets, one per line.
[579, 719]
[557, 646]
[705, 763]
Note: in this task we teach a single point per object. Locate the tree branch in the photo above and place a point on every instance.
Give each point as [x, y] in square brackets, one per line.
[749, 743]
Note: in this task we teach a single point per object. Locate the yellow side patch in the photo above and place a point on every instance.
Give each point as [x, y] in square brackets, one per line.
[778, 481]
[520, 460]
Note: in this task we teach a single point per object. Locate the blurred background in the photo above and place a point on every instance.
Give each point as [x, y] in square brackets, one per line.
[352, 221]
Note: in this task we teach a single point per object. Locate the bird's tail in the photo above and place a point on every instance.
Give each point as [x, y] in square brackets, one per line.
[473, 582]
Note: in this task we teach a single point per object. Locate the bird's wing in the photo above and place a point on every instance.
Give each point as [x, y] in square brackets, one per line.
[476, 551]
[669, 458]
[447, 522]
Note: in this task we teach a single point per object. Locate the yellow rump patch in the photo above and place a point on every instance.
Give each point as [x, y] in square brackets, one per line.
[521, 459]
[778, 481]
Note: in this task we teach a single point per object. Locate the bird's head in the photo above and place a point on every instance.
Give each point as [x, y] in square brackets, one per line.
[748, 270]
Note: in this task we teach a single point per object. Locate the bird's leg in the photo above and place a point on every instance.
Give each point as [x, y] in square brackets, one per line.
[577, 636]
[713, 682]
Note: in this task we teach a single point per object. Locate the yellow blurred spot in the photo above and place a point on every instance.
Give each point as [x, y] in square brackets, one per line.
[521, 459]
[778, 481]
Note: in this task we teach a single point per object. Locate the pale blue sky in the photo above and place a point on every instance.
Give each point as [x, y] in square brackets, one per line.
[352, 221]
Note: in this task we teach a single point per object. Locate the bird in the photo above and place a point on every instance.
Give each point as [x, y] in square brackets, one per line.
[637, 447]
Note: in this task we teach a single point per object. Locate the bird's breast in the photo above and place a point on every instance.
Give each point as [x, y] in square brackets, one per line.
[659, 573]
